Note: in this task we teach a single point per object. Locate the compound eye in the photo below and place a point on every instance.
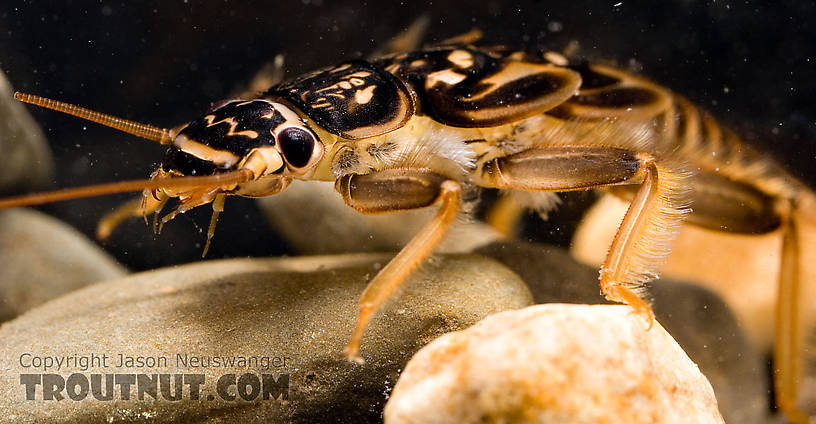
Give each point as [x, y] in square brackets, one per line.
[298, 146]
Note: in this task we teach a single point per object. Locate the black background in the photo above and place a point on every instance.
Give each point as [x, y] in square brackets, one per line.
[751, 63]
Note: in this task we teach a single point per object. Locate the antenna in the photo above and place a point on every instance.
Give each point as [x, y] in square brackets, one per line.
[161, 135]
[218, 180]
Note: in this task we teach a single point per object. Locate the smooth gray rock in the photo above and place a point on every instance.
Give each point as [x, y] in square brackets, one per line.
[299, 310]
[43, 258]
[27, 161]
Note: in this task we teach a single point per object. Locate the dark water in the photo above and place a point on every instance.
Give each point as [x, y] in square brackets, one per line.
[751, 63]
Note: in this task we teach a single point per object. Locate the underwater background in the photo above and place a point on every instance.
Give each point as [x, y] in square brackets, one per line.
[751, 63]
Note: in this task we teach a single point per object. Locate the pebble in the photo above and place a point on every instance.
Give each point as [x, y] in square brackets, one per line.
[27, 160]
[554, 363]
[43, 258]
[296, 312]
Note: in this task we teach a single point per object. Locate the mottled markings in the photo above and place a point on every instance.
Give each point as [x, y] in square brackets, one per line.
[220, 158]
[355, 100]
[361, 74]
[350, 81]
[232, 123]
[393, 68]
[468, 87]
[556, 58]
[461, 58]
[364, 95]
[513, 71]
[275, 116]
[445, 76]
[517, 56]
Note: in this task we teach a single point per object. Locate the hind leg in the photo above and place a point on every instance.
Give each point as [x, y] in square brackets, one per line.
[790, 342]
[650, 224]
[730, 206]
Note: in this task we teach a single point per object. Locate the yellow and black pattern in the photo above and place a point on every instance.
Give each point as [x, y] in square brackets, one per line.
[354, 100]
[609, 93]
[220, 139]
[238, 126]
[464, 86]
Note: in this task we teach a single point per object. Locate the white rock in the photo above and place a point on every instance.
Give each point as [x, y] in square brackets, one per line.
[554, 363]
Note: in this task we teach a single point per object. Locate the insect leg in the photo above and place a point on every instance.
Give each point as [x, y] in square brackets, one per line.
[725, 205]
[189, 201]
[613, 271]
[789, 335]
[722, 204]
[135, 208]
[217, 208]
[506, 215]
[389, 191]
[651, 222]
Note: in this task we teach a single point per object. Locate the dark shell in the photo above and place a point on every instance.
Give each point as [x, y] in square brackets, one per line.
[233, 128]
[468, 87]
[237, 126]
[354, 100]
[611, 93]
[185, 163]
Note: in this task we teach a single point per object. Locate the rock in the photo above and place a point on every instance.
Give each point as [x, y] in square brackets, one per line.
[298, 312]
[334, 227]
[44, 258]
[27, 161]
[696, 317]
[700, 322]
[554, 363]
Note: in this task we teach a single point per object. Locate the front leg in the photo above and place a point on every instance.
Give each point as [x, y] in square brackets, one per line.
[390, 191]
